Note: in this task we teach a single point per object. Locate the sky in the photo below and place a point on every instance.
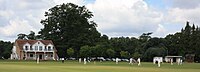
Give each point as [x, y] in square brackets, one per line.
[115, 18]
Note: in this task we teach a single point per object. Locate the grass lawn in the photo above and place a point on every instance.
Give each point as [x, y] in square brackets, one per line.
[74, 66]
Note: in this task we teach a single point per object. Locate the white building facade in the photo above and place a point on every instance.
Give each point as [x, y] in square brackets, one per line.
[173, 58]
[157, 59]
[33, 49]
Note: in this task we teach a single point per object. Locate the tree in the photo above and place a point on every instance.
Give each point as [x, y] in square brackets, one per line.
[85, 51]
[143, 40]
[110, 53]
[152, 52]
[68, 26]
[124, 54]
[145, 37]
[21, 36]
[155, 42]
[136, 55]
[98, 51]
[31, 36]
[5, 49]
[186, 37]
[70, 52]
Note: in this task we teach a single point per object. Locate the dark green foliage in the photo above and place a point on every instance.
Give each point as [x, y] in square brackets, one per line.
[154, 47]
[70, 52]
[110, 53]
[136, 55]
[30, 36]
[153, 52]
[5, 49]
[124, 54]
[86, 51]
[185, 42]
[21, 36]
[99, 50]
[130, 45]
[68, 26]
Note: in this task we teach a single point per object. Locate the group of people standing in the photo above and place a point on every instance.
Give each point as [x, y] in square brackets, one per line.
[179, 61]
[131, 61]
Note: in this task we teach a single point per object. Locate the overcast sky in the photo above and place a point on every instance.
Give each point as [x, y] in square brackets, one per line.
[115, 18]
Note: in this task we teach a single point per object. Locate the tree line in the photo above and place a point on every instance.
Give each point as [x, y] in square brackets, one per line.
[5, 49]
[70, 27]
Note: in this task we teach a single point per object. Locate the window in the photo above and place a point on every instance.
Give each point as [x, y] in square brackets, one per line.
[31, 48]
[51, 55]
[36, 47]
[45, 49]
[40, 48]
[49, 48]
[26, 47]
[31, 55]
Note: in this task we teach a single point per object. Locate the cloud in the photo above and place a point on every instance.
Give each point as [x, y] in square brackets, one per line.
[178, 15]
[114, 17]
[21, 17]
[182, 11]
[24, 16]
[161, 31]
[184, 4]
[6, 14]
[15, 27]
[78, 2]
[125, 18]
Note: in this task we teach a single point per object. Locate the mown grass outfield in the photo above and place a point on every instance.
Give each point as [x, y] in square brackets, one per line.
[74, 66]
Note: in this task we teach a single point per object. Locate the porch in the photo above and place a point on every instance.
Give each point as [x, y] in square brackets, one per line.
[40, 55]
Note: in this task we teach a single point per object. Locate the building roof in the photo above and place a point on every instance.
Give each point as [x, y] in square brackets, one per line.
[173, 56]
[21, 42]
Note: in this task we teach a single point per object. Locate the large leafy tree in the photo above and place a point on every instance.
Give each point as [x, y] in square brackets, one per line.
[130, 45]
[70, 52]
[144, 38]
[153, 52]
[185, 42]
[21, 36]
[86, 51]
[124, 54]
[136, 55]
[154, 47]
[68, 26]
[30, 36]
[5, 49]
[110, 53]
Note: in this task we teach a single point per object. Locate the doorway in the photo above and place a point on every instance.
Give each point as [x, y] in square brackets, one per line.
[174, 59]
[40, 56]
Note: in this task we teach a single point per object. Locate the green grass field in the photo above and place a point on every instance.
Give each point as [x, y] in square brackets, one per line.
[74, 66]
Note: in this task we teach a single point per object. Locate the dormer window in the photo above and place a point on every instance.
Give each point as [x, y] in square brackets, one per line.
[45, 49]
[26, 47]
[31, 48]
[49, 48]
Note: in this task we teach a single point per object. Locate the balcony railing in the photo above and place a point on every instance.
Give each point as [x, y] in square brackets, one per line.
[39, 50]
